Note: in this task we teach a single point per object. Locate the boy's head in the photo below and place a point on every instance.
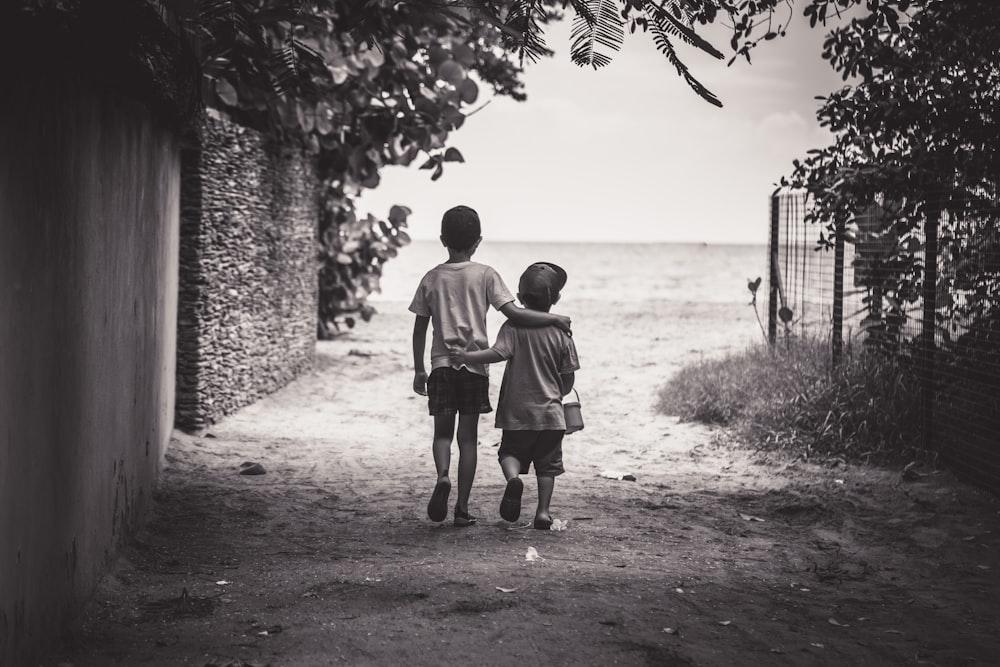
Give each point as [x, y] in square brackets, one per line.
[540, 285]
[460, 229]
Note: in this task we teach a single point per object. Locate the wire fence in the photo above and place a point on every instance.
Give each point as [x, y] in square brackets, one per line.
[925, 292]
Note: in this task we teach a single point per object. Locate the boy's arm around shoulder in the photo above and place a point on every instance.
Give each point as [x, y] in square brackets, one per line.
[525, 317]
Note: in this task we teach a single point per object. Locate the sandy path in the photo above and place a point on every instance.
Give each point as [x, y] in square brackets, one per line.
[713, 556]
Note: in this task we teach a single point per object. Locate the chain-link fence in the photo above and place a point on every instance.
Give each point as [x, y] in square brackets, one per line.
[925, 291]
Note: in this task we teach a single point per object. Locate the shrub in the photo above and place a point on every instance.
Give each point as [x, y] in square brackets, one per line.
[792, 397]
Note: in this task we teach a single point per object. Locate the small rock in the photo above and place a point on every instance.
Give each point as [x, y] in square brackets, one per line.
[250, 468]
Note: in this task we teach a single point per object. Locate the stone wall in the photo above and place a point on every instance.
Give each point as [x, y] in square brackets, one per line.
[248, 271]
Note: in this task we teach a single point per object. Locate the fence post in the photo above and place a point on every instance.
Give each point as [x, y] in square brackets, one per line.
[929, 295]
[838, 292]
[772, 283]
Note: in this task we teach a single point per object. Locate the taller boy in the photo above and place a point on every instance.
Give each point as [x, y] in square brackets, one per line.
[456, 296]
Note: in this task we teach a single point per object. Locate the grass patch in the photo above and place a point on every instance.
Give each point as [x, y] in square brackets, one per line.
[792, 397]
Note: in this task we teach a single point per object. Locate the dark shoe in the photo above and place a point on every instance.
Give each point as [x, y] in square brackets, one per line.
[437, 508]
[510, 505]
[542, 524]
[464, 519]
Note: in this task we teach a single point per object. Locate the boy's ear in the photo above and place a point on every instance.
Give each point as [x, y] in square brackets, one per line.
[443, 241]
[555, 298]
[476, 244]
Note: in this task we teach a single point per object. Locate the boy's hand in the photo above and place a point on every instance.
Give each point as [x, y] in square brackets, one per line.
[563, 322]
[420, 383]
[457, 357]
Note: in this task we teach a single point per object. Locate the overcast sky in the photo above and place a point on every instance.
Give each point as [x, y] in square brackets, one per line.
[629, 152]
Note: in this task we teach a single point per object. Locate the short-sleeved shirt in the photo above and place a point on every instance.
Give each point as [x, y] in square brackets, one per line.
[457, 297]
[531, 392]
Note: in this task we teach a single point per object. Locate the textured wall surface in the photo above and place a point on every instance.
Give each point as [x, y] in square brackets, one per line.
[248, 272]
[89, 217]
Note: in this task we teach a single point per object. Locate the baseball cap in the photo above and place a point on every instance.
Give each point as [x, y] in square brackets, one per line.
[544, 280]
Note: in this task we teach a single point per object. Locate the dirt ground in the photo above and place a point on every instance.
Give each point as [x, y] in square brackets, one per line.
[713, 555]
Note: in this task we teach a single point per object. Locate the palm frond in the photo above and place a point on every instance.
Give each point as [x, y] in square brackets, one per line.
[283, 69]
[601, 25]
[661, 30]
[675, 17]
[523, 29]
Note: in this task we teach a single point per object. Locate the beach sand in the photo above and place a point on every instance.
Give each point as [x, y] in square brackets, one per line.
[715, 555]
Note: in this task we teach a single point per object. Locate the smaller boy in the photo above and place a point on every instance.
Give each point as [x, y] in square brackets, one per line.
[541, 369]
[456, 296]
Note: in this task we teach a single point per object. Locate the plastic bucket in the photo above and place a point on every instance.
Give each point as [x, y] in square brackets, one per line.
[574, 416]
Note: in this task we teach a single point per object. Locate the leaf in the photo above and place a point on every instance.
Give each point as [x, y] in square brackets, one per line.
[372, 56]
[661, 39]
[324, 118]
[398, 214]
[226, 92]
[464, 54]
[468, 90]
[599, 25]
[453, 155]
[452, 72]
[505, 590]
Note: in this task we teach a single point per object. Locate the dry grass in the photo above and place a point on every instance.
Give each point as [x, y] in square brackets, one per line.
[792, 397]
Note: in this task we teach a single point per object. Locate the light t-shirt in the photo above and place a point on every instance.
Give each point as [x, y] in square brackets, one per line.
[531, 393]
[457, 297]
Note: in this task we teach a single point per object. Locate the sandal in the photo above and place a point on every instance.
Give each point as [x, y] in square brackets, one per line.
[542, 524]
[463, 519]
[437, 508]
[510, 505]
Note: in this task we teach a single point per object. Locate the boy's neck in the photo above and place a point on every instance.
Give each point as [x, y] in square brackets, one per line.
[456, 256]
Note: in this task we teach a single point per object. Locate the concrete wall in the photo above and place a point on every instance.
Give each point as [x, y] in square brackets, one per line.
[248, 271]
[89, 217]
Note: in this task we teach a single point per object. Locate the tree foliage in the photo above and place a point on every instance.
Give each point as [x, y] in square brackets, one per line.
[915, 135]
[363, 84]
[360, 88]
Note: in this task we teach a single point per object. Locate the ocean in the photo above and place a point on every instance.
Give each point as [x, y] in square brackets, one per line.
[613, 273]
[646, 305]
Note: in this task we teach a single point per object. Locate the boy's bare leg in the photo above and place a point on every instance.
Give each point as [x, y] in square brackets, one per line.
[444, 431]
[511, 467]
[468, 446]
[545, 486]
[510, 504]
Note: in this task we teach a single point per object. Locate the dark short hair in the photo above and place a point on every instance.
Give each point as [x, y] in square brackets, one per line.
[460, 227]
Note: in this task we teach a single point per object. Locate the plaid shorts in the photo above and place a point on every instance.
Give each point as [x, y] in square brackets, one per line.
[462, 391]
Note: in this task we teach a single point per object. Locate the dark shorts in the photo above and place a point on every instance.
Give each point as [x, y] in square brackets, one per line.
[542, 448]
[451, 391]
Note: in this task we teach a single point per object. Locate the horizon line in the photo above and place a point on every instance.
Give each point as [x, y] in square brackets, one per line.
[604, 241]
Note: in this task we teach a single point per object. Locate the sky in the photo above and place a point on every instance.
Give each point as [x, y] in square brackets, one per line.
[628, 153]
